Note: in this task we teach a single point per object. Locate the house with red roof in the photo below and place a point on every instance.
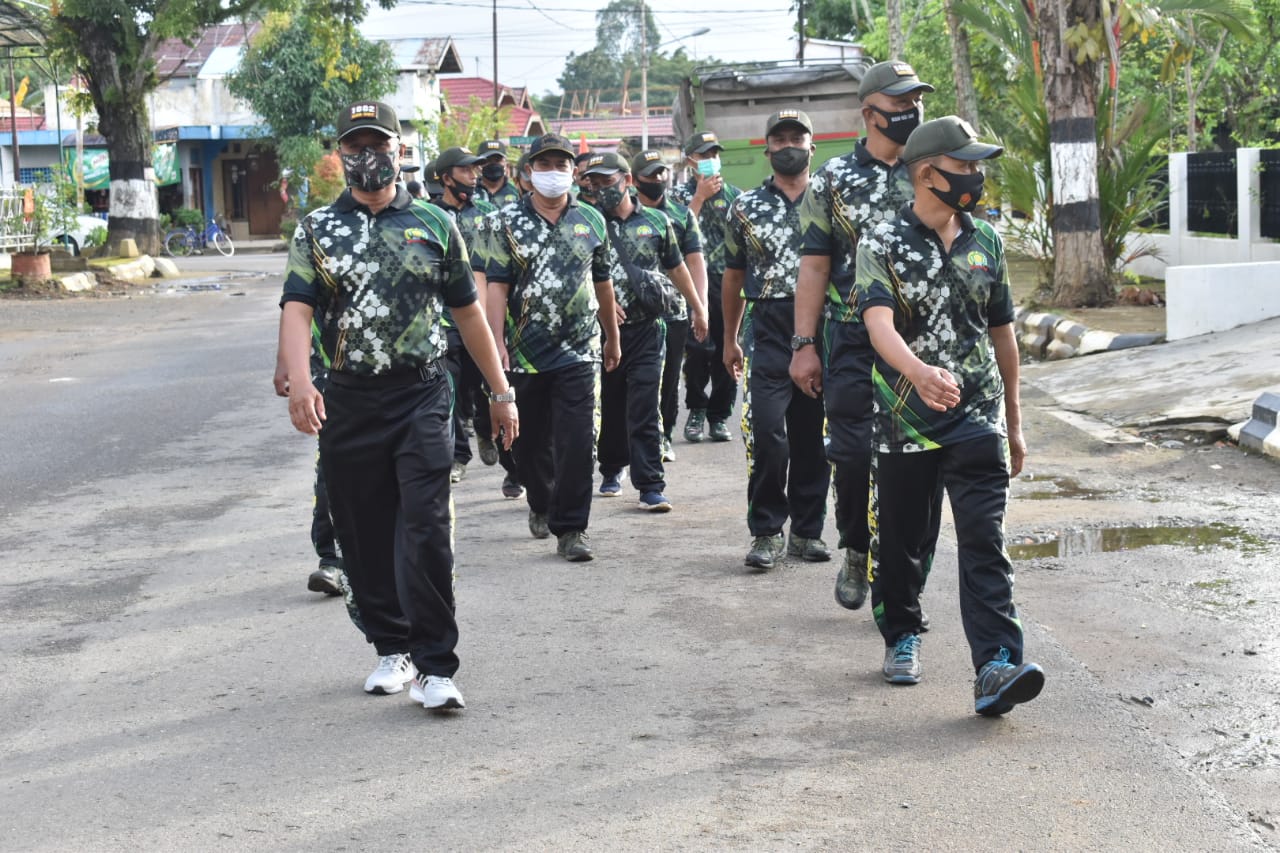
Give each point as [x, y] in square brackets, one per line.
[522, 120]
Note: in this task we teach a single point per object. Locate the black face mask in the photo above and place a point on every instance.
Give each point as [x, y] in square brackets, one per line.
[370, 170]
[964, 192]
[900, 124]
[464, 193]
[494, 171]
[653, 192]
[612, 196]
[588, 195]
[790, 161]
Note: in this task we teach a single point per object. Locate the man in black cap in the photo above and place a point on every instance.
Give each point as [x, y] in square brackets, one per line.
[644, 245]
[709, 197]
[848, 196]
[933, 291]
[550, 294]
[787, 469]
[494, 186]
[458, 172]
[650, 176]
[376, 270]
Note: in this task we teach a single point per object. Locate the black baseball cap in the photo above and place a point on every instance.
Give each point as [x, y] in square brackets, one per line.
[490, 147]
[893, 77]
[783, 117]
[949, 135]
[606, 164]
[451, 157]
[647, 162]
[368, 115]
[701, 143]
[548, 143]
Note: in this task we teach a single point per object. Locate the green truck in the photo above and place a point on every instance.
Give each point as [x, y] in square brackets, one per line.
[735, 100]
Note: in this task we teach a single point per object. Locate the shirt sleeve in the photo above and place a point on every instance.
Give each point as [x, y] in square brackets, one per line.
[1000, 311]
[735, 256]
[815, 218]
[459, 283]
[672, 257]
[300, 273]
[872, 280]
[498, 264]
[601, 266]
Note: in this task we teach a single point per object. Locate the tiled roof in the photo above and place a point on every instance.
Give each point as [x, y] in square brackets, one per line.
[523, 121]
[620, 126]
[432, 54]
[175, 59]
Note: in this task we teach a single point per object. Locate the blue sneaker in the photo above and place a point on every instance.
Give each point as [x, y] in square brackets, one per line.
[1000, 685]
[654, 502]
[902, 660]
[611, 486]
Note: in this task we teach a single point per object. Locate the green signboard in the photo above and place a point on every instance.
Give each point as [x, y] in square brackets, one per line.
[520, 140]
[94, 161]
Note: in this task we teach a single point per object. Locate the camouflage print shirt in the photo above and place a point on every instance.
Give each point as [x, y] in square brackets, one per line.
[651, 243]
[688, 238]
[506, 194]
[764, 239]
[551, 271]
[472, 224]
[846, 197]
[713, 220]
[379, 284]
[943, 305]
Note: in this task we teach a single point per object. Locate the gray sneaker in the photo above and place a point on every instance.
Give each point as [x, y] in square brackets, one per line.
[765, 552]
[326, 579]
[902, 660]
[851, 581]
[809, 550]
[573, 547]
[458, 472]
[538, 525]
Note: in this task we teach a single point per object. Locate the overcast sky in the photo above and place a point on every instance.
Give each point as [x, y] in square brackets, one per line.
[535, 36]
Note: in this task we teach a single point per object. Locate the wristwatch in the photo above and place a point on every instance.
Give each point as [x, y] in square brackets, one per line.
[507, 396]
[798, 341]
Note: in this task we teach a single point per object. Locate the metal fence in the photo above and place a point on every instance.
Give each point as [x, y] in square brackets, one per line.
[1211, 192]
[16, 232]
[1269, 192]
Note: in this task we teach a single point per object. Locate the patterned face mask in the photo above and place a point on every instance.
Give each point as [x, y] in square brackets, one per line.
[369, 170]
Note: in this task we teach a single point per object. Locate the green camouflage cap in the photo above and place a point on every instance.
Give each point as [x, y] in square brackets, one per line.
[949, 135]
[606, 164]
[893, 78]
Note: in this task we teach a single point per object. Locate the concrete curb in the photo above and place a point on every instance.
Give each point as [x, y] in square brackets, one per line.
[1051, 337]
[1260, 433]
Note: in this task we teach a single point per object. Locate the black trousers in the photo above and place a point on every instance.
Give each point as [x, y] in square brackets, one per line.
[669, 396]
[555, 450]
[322, 536]
[455, 359]
[630, 432]
[704, 364]
[787, 470]
[477, 392]
[976, 476]
[847, 359]
[386, 452]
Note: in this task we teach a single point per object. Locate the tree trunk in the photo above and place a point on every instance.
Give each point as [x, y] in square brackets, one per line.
[1080, 273]
[124, 121]
[897, 39]
[962, 67]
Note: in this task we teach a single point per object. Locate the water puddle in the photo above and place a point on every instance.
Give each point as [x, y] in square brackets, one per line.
[1057, 488]
[1076, 541]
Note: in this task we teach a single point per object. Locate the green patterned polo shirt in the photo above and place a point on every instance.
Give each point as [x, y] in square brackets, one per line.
[763, 238]
[713, 220]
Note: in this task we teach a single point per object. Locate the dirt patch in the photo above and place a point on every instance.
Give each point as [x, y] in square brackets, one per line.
[1119, 317]
[107, 286]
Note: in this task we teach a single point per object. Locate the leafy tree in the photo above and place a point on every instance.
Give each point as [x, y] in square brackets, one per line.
[466, 127]
[289, 79]
[113, 46]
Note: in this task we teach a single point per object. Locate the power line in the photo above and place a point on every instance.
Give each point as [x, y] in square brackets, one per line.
[484, 6]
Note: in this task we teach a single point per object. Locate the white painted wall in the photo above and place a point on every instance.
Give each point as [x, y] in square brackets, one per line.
[1215, 298]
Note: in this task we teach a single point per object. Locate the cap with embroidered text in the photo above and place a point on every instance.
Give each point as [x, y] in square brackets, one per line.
[647, 163]
[701, 143]
[368, 115]
[892, 78]
[606, 164]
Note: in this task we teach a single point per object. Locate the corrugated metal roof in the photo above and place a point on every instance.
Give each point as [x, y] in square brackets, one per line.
[17, 28]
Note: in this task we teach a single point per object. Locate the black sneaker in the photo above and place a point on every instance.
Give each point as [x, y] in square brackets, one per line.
[720, 431]
[694, 425]
[538, 525]
[510, 488]
[851, 581]
[809, 550]
[902, 660]
[326, 579]
[765, 552]
[573, 547]
[1000, 685]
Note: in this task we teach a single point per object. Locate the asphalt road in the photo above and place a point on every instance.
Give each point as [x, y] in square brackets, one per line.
[170, 683]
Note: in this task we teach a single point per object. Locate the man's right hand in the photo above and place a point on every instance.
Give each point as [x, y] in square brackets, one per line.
[306, 408]
[806, 370]
[707, 188]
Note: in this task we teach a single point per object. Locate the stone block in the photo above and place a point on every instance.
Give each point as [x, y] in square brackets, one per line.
[165, 268]
[1057, 350]
[129, 248]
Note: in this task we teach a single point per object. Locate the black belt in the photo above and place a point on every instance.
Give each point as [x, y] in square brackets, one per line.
[391, 379]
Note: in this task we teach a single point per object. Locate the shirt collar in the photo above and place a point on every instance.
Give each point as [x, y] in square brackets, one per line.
[866, 158]
[908, 213]
[346, 202]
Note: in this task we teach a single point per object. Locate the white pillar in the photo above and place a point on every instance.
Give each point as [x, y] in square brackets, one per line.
[1177, 207]
[1248, 203]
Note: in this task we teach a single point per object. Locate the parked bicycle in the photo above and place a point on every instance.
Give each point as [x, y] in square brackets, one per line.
[180, 242]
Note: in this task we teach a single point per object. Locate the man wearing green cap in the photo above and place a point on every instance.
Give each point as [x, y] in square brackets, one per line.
[375, 271]
[644, 246]
[933, 291]
[708, 196]
[787, 470]
[650, 174]
[495, 188]
[847, 196]
[550, 294]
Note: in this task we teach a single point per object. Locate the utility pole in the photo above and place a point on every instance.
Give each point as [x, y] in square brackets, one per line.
[495, 53]
[801, 33]
[644, 80]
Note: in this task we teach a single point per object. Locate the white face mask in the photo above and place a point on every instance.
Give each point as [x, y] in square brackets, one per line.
[551, 184]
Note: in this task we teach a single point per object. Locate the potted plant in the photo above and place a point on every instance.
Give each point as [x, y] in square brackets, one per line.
[37, 218]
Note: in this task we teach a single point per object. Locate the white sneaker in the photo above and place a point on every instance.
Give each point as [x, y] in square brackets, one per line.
[436, 692]
[392, 674]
